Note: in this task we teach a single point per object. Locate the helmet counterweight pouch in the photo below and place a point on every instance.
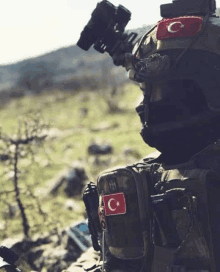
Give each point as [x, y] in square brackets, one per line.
[127, 235]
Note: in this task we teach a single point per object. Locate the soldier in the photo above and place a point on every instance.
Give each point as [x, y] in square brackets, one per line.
[162, 214]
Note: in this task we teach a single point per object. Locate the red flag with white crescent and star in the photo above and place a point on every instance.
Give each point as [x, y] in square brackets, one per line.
[114, 204]
[179, 27]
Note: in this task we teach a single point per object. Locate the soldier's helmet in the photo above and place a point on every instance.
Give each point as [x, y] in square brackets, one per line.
[180, 73]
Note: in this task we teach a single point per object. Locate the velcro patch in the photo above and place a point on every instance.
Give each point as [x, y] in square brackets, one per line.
[114, 204]
[179, 27]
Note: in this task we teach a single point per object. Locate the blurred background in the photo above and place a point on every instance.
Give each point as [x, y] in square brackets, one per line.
[66, 115]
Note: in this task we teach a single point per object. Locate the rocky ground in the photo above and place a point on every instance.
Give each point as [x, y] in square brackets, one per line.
[57, 251]
[53, 252]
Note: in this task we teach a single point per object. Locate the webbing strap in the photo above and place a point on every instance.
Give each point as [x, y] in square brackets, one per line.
[143, 204]
[193, 40]
[143, 38]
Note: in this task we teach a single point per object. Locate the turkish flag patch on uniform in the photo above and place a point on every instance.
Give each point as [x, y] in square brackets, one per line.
[179, 27]
[114, 204]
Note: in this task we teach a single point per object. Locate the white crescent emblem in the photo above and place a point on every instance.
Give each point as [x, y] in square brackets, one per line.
[109, 204]
[170, 27]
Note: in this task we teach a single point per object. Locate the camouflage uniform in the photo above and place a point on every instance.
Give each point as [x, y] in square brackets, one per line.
[88, 260]
[193, 174]
[171, 224]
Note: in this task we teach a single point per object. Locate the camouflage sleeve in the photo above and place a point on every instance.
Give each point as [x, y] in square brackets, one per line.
[89, 261]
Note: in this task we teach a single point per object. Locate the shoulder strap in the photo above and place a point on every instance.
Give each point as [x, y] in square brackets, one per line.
[142, 180]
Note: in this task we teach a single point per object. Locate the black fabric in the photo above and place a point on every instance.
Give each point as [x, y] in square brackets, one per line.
[180, 124]
[178, 146]
[180, 99]
[176, 112]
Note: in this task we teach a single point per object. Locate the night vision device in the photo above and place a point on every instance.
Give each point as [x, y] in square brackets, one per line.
[105, 30]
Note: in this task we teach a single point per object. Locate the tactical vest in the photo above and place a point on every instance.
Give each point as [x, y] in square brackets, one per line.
[166, 217]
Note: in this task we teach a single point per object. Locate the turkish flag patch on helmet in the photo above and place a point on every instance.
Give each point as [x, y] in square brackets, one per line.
[179, 27]
[114, 204]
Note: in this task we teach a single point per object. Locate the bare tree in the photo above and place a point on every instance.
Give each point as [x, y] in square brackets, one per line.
[31, 131]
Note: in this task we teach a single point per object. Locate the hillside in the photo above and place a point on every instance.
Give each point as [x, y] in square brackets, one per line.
[67, 64]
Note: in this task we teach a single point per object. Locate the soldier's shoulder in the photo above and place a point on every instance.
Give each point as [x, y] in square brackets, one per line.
[152, 156]
[87, 262]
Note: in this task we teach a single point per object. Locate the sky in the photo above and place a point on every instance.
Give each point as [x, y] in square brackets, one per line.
[31, 28]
